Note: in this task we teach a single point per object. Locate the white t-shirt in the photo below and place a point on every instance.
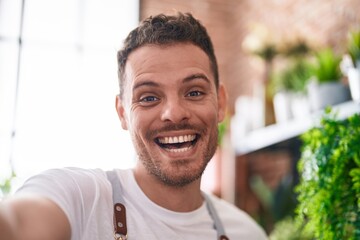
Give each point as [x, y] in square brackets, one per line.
[85, 195]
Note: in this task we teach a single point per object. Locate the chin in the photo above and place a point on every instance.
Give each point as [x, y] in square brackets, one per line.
[180, 176]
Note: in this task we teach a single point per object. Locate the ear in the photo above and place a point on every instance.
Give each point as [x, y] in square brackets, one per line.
[222, 102]
[121, 112]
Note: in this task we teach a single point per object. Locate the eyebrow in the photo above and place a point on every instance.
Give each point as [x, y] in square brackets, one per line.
[186, 79]
[196, 76]
[145, 83]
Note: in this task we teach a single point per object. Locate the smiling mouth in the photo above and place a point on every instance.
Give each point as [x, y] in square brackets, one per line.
[178, 143]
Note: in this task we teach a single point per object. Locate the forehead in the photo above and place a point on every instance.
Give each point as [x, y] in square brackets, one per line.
[167, 61]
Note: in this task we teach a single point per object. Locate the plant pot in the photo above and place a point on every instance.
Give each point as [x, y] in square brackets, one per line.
[290, 105]
[300, 106]
[282, 106]
[354, 83]
[327, 94]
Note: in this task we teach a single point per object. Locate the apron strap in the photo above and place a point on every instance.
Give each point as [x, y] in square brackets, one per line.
[217, 221]
[119, 217]
[120, 227]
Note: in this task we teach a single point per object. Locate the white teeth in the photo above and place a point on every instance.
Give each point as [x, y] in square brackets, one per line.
[178, 139]
[177, 150]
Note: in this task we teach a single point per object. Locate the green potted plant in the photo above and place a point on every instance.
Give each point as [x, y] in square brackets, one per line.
[294, 77]
[329, 187]
[326, 66]
[353, 71]
[326, 87]
[353, 46]
[290, 84]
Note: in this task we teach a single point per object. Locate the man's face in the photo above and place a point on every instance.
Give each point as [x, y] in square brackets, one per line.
[171, 108]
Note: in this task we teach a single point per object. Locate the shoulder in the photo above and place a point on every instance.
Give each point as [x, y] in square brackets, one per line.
[63, 176]
[84, 195]
[65, 183]
[237, 222]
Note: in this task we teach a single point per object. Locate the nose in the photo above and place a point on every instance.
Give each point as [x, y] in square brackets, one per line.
[174, 110]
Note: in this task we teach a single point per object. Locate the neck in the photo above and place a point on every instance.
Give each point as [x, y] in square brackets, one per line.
[178, 199]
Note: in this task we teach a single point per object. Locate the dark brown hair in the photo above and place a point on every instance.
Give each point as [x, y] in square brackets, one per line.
[167, 29]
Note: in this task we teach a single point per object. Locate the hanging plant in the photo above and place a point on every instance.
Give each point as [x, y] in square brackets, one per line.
[329, 190]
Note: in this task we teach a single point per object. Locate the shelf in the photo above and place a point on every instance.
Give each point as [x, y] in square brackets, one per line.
[276, 133]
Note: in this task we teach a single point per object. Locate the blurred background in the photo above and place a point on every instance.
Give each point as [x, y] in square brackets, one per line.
[58, 81]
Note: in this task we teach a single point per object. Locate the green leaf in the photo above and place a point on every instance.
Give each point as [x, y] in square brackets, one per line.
[327, 66]
[329, 187]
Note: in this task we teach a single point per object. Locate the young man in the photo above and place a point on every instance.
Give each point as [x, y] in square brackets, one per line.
[171, 102]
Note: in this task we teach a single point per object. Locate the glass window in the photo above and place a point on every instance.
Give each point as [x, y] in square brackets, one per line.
[64, 96]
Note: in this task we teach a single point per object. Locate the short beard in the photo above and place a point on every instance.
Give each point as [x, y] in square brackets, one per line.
[190, 175]
[170, 180]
